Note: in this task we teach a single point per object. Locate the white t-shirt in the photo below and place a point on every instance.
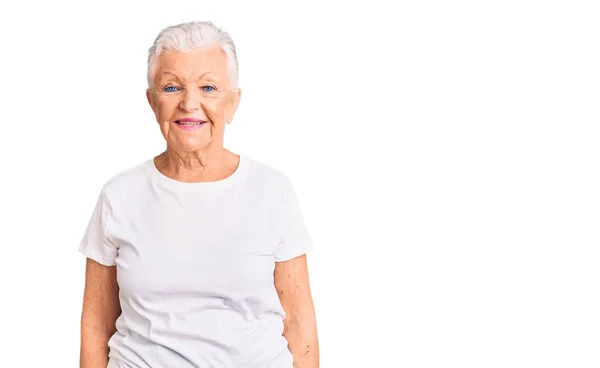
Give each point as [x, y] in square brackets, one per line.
[195, 266]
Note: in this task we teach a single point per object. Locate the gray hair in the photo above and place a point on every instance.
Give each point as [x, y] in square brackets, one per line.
[189, 36]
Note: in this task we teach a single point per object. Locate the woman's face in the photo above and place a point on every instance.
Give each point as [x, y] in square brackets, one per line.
[193, 85]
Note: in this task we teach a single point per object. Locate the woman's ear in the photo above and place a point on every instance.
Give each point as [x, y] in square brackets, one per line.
[233, 104]
[149, 98]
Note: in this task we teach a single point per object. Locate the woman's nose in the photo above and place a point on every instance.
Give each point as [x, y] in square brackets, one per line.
[191, 100]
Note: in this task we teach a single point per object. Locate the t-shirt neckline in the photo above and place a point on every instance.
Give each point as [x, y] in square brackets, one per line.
[231, 180]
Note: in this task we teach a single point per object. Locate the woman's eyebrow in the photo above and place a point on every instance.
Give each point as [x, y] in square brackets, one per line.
[165, 74]
[208, 75]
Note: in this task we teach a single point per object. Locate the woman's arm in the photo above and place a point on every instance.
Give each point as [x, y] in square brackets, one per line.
[101, 308]
[300, 326]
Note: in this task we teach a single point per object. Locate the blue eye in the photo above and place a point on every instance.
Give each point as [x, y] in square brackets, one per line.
[170, 89]
[212, 89]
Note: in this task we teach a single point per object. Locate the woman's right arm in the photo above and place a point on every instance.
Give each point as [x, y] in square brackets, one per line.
[101, 308]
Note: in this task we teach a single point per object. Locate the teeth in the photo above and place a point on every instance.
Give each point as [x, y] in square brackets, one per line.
[190, 123]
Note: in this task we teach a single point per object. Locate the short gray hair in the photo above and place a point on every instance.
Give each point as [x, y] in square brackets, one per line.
[193, 35]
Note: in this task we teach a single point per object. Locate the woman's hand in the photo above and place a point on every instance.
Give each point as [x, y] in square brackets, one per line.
[101, 308]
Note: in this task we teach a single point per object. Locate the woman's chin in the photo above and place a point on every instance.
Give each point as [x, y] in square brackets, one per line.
[189, 144]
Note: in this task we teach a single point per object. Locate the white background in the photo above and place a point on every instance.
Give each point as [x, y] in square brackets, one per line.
[445, 156]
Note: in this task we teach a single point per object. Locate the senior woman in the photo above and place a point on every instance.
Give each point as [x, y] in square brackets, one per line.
[197, 257]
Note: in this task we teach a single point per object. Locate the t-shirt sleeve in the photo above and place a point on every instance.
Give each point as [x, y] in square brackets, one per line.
[295, 239]
[96, 243]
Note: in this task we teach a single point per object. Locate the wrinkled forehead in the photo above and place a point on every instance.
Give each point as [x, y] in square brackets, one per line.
[189, 66]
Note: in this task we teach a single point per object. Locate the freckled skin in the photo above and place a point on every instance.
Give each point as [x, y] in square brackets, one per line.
[101, 308]
[300, 326]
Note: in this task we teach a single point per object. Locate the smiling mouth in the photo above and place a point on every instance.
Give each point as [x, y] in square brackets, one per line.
[189, 123]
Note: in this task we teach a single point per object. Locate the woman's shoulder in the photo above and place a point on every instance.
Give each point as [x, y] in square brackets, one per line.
[126, 180]
[266, 171]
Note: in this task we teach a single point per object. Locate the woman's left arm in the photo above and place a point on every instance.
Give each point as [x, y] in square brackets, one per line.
[300, 325]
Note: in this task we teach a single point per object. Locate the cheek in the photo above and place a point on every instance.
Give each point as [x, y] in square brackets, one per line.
[165, 109]
[215, 109]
